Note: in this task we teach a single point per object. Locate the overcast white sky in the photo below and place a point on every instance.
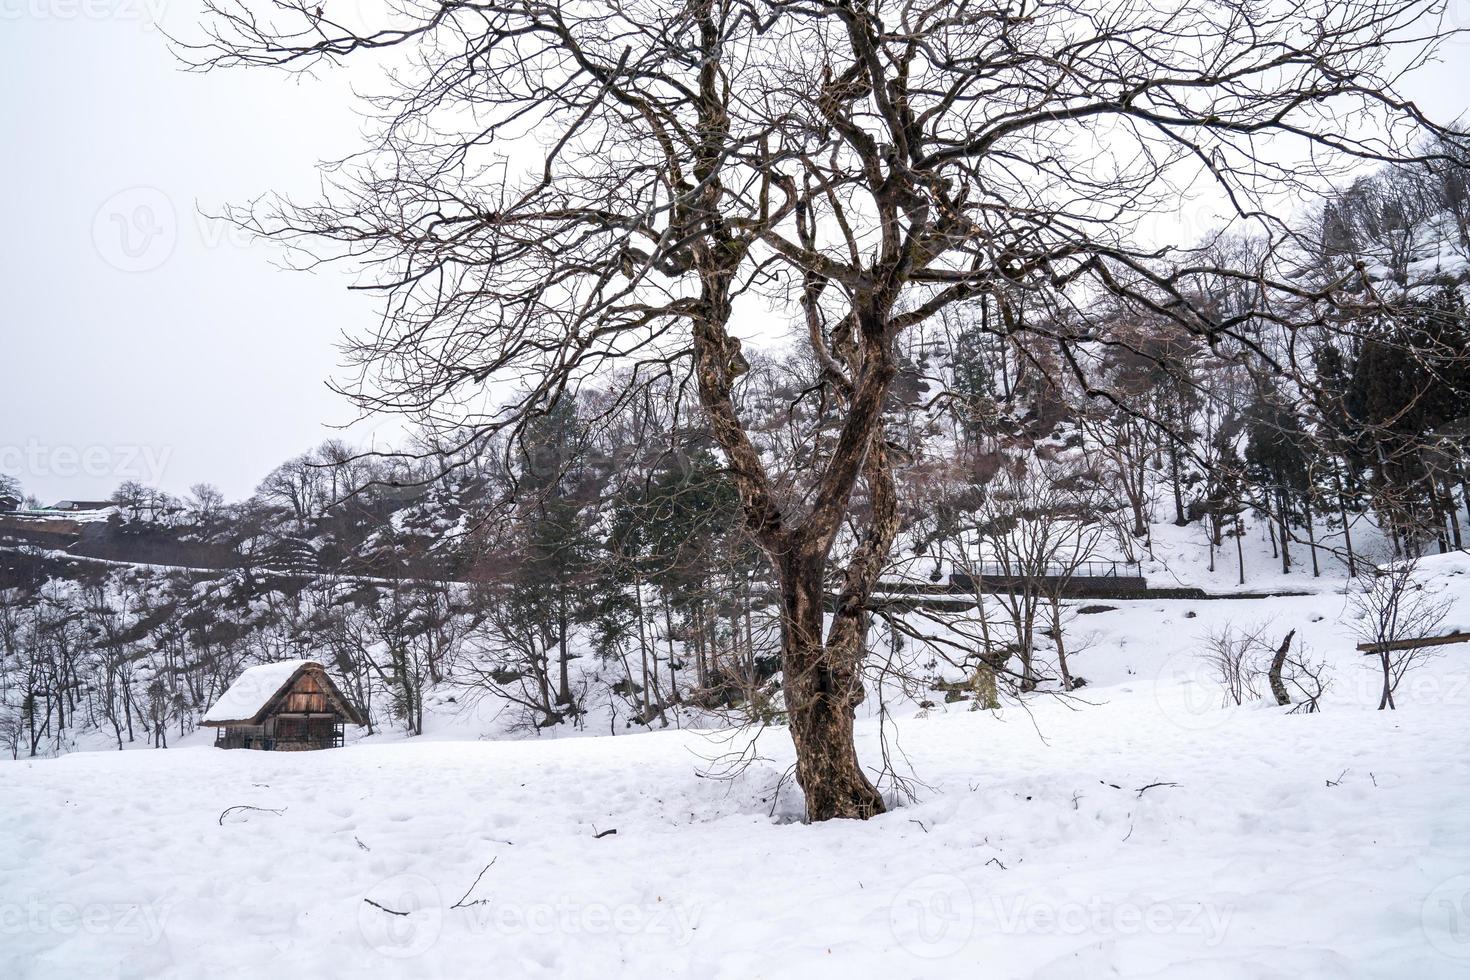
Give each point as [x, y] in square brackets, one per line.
[137, 339]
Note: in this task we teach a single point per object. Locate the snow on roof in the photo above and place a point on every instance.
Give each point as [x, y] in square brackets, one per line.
[82, 505]
[252, 690]
[54, 513]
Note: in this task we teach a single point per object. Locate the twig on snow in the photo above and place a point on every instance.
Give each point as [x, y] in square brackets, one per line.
[383, 907]
[242, 806]
[462, 904]
[1140, 790]
[1144, 789]
[776, 796]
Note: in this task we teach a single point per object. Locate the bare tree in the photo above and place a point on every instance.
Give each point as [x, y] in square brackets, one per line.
[509, 655]
[1035, 530]
[875, 161]
[1392, 606]
[1234, 657]
[1309, 676]
[299, 485]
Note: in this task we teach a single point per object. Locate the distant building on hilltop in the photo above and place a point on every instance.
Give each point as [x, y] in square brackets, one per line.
[287, 706]
[78, 505]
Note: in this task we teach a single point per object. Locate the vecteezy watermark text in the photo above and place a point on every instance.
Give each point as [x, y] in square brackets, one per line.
[38, 917]
[1097, 917]
[569, 917]
[143, 11]
[404, 916]
[36, 459]
[937, 915]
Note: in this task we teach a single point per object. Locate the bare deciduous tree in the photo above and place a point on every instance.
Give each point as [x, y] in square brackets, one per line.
[1392, 606]
[876, 161]
[1234, 656]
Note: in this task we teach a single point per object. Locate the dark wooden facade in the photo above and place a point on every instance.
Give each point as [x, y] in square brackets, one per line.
[306, 713]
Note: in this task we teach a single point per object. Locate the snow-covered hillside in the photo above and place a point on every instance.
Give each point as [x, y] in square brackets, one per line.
[1139, 830]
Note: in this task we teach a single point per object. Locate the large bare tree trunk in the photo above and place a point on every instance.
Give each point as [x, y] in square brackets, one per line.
[823, 689]
[821, 677]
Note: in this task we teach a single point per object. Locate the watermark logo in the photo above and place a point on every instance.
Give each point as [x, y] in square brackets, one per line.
[1445, 917]
[933, 916]
[1188, 694]
[140, 229]
[1457, 21]
[136, 230]
[402, 916]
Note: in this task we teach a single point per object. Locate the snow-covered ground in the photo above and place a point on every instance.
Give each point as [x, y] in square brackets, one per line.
[1327, 845]
[1141, 829]
[1148, 832]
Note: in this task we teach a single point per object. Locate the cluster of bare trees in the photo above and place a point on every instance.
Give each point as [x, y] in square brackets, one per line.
[597, 572]
[1391, 610]
[95, 656]
[1402, 215]
[140, 655]
[1247, 663]
[1039, 521]
[588, 571]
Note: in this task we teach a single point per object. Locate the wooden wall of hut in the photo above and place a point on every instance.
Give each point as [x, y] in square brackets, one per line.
[306, 697]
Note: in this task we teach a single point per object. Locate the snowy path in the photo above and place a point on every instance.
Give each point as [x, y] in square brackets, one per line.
[1018, 862]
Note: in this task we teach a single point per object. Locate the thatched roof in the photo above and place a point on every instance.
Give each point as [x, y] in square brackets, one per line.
[258, 690]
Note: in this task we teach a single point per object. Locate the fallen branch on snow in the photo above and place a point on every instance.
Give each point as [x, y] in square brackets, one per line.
[242, 806]
[462, 904]
[1144, 789]
[383, 907]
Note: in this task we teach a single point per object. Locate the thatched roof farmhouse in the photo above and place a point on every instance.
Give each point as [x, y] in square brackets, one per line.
[290, 705]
